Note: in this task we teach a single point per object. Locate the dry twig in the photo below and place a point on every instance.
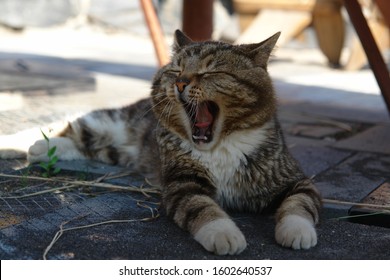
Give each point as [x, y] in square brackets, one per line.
[346, 203]
[60, 232]
[78, 183]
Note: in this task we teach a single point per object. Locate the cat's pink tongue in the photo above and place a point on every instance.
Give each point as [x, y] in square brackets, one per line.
[203, 116]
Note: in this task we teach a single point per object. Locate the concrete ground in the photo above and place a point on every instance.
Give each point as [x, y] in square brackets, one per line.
[335, 123]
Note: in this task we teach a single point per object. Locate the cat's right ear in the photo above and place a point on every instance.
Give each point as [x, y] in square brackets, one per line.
[181, 40]
[261, 52]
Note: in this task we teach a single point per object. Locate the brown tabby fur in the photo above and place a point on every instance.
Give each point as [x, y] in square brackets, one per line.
[229, 153]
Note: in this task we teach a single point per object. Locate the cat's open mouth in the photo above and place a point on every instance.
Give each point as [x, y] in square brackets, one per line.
[202, 116]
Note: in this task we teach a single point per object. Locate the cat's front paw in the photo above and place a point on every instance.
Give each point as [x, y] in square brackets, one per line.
[38, 152]
[296, 232]
[221, 237]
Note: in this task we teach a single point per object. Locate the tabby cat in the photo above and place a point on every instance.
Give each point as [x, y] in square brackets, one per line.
[210, 137]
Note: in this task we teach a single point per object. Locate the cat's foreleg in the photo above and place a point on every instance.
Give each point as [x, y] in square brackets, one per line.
[192, 208]
[297, 216]
[221, 236]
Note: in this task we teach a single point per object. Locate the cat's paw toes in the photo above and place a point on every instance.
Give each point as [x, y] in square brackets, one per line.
[221, 237]
[38, 151]
[296, 232]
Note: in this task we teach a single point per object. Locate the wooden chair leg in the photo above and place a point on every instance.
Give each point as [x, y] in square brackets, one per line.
[329, 26]
[374, 57]
[358, 58]
[384, 7]
[198, 19]
[155, 32]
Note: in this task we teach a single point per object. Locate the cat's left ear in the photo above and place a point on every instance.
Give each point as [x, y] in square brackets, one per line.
[181, 40]
[262, 51]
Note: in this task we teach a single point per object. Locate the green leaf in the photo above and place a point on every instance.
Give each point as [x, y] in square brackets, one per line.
[44, 165]
[51, 151]
[53, 160]
[44, 136]
[56, 170]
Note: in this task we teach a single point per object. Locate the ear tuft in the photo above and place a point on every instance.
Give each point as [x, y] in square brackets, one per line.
[180, 40]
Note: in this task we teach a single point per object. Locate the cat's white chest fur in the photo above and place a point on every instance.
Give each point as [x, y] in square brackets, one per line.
[229, 158]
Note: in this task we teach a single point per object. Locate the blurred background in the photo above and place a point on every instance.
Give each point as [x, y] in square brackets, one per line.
[78, 55]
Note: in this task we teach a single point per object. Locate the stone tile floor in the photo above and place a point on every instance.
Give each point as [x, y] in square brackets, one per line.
[339, 136]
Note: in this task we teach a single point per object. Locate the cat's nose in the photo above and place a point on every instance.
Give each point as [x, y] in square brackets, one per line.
[181, 83]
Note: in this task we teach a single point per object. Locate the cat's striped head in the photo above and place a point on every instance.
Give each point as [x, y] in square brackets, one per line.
[211, 89]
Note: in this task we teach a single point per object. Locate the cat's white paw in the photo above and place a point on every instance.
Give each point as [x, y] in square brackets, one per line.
[296, 232]
[221, 237]
[65, 150]
[38, 151]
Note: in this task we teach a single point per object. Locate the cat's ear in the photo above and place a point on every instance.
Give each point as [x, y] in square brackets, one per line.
[181, 40]
[261, 52]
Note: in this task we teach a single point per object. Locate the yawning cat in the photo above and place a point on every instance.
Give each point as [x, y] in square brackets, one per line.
[210, 137]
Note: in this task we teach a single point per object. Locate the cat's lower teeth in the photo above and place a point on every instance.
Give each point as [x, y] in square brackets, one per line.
[204, 138]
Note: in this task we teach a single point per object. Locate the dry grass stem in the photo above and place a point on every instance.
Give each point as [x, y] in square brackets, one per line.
[78, 183]
[59, 233]
[338, 202]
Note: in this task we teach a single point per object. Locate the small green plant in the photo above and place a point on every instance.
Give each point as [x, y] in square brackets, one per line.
[49, 167]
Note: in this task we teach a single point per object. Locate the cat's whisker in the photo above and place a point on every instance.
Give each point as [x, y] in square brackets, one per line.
[166, 111]
[153, 106]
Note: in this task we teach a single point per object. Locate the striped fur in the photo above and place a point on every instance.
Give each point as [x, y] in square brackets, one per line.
[209, 135]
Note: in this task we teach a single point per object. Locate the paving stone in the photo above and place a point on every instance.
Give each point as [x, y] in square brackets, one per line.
[315, 131]
[354, 178]
[293, 141]
[40, 73]
[316, 159]
[290, 103]
[375, 139]
[311, 125]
